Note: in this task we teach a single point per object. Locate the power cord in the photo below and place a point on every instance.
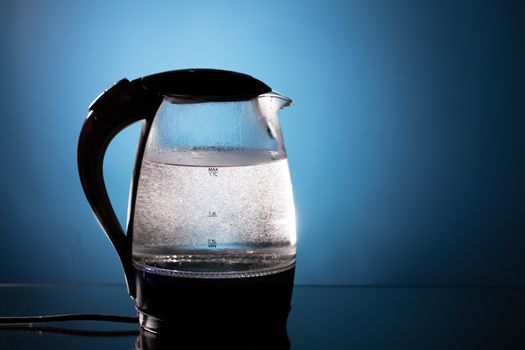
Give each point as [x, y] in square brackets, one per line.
[68, 317]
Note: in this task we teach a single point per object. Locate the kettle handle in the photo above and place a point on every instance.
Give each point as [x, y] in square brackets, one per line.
[115, 109]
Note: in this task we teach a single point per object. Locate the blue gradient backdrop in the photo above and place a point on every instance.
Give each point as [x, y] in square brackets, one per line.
[406, 143]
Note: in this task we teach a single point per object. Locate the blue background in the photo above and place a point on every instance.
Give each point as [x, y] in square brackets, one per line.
[406, 143]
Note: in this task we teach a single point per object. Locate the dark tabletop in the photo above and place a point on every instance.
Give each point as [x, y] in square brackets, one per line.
[322, 317]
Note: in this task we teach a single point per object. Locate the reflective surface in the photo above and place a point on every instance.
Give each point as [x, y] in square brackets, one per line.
[321, 318]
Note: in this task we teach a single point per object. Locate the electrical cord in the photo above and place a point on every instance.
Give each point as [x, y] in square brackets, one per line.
[32, 328]
[68, 317]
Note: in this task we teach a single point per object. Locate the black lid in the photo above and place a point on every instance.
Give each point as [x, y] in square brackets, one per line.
[209, 84]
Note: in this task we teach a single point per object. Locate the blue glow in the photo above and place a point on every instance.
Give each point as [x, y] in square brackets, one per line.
[405, 144]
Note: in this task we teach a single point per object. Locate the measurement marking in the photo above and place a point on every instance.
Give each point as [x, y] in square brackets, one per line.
[213, 171]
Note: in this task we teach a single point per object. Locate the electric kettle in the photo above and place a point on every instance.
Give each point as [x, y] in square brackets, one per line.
[211, 219]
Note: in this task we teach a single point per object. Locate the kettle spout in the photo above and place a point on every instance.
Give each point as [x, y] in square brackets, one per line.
[278, 100]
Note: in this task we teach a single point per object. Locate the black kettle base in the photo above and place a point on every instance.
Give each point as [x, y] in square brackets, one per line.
[167, 303]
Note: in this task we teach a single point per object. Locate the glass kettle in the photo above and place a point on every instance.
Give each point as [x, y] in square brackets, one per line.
[211, 197]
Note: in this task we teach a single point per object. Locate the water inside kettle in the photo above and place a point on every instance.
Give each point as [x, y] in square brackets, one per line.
[213, 221]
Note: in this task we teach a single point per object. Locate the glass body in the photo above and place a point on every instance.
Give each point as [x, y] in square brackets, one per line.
[214, 196]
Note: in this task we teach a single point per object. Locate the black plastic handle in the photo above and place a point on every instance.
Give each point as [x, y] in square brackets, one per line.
[120, 106]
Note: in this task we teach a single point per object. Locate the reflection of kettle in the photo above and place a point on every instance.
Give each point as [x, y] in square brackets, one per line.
[211, 202]
[216, 336]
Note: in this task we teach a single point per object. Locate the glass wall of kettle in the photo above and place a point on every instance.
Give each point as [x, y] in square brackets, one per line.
[214, 194]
